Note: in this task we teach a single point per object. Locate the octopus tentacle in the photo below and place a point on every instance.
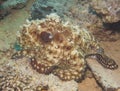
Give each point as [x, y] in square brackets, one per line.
[68, 72]
[40, 67]
[104, 60]
[20, 54]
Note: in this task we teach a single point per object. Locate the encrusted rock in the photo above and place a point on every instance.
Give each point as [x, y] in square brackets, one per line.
[108, 79]
[7, 5]
[107, 10]
[19, 76]
[18, 4]
[76, 11]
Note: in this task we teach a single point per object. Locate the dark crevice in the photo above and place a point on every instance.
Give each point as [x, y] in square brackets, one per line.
[100, 85]
[113, 27]
[109, 32]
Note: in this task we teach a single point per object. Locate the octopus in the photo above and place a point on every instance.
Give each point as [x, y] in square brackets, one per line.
[59, 48]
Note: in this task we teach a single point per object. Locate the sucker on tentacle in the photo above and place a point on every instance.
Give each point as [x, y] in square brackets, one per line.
[41, 68]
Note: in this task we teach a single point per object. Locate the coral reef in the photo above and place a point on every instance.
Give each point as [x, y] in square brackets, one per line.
[19, 76]
[11, 80]
[41, 8]
[59, 48]
[107, 10]
[76, 11]
[85, 13]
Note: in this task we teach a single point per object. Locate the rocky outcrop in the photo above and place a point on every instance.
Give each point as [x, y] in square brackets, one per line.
[7, 5]
[91, 14]
[75, 11]
[19, 76]
[109, 80]
[41, 8]
[107, 10]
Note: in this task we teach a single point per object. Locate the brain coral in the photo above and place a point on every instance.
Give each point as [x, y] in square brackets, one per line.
[56, 47]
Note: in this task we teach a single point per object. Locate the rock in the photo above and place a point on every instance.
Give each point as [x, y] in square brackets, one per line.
[20, 75]
[107, 10]
[41, 8]
[108, 79]
[75, 11]
[17, 4]
[91, 14]
[7, 5]
[3, 12]
[89, 83]
[118, 90]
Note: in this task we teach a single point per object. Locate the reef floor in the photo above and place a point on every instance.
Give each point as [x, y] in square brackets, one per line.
[10, 24]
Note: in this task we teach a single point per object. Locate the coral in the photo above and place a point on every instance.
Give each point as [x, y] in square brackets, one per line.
[108, 10]
[77, 12]
[88, 14]
[12, 80]
[58, 47]
[19, 76]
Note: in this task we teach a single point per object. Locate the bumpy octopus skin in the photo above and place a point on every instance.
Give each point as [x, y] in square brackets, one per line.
[55, 47]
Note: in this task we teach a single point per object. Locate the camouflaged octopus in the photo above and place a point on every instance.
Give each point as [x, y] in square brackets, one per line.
[59, 48]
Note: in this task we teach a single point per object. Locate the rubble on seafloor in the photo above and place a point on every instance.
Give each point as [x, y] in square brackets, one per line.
[19, 76]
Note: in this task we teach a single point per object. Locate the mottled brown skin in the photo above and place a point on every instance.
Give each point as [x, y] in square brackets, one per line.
[54, 48]
[47, 71]
[104, 60]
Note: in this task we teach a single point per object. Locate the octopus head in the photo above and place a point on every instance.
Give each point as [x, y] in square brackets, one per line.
[46, 37]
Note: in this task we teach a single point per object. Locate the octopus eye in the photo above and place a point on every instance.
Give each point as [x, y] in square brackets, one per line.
[46, 37]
